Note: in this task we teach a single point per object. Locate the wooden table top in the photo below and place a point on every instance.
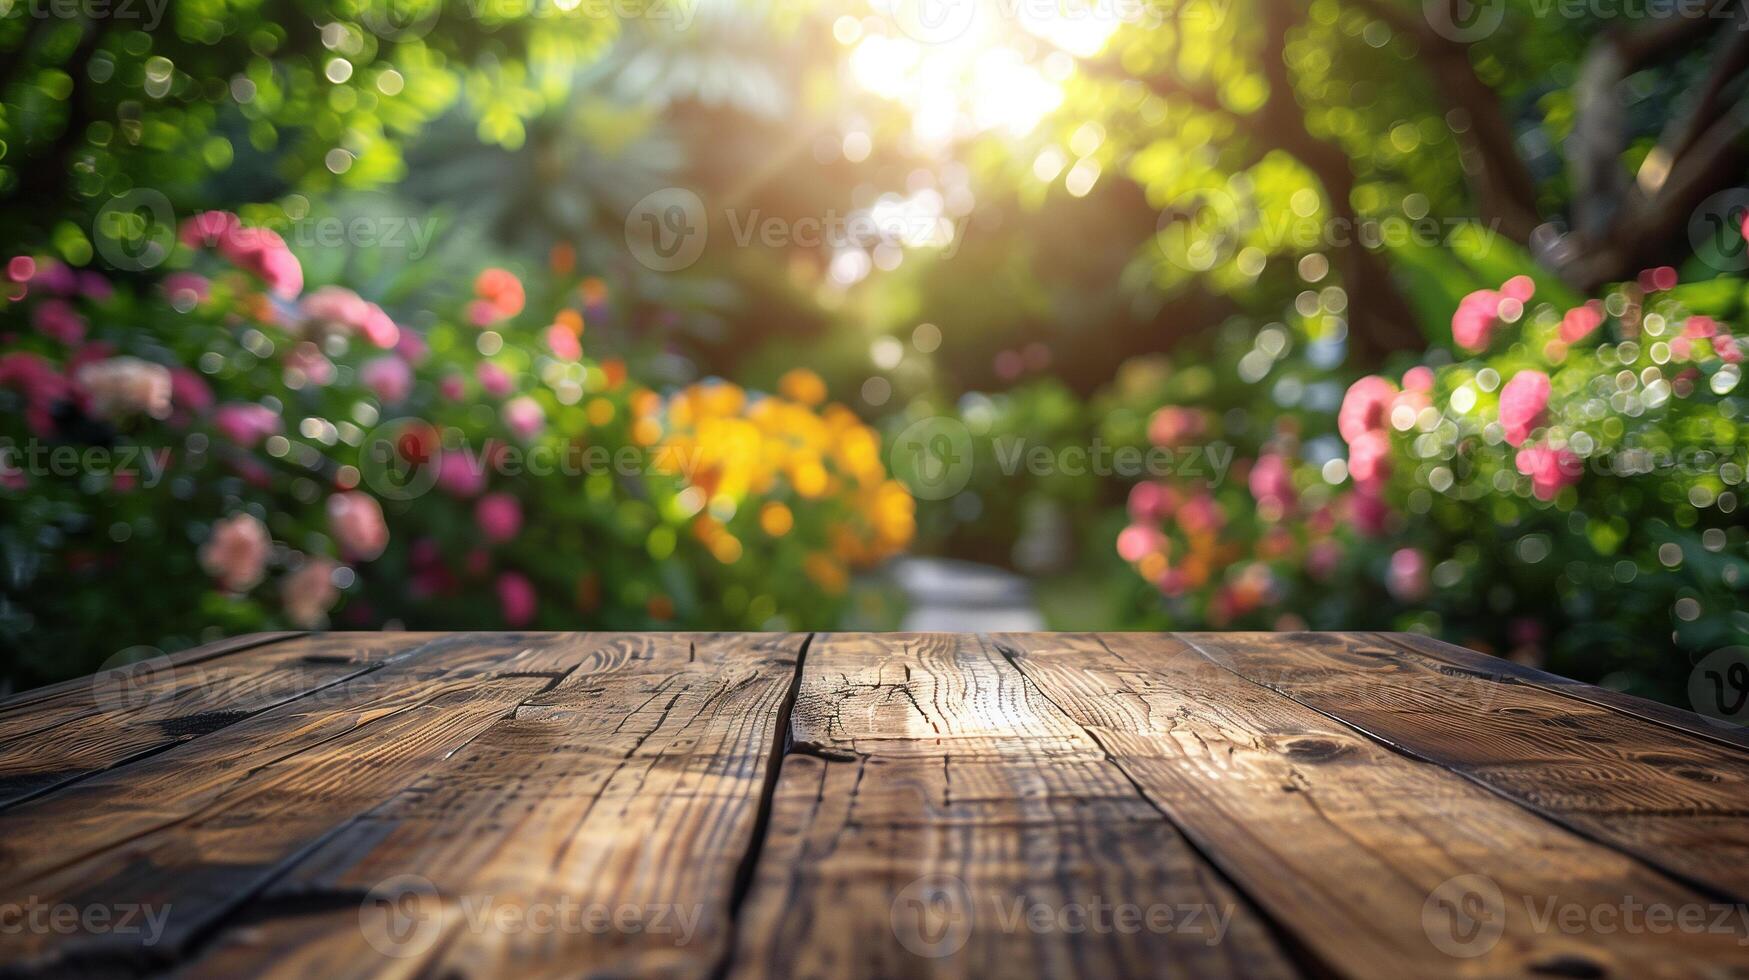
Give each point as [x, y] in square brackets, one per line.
[883, 805]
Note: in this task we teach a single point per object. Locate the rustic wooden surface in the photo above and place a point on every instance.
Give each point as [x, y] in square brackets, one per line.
[931, 804]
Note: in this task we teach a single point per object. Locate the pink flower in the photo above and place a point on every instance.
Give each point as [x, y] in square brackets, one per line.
[494, 379]
[499, 516]
[1148, 502]
[524, 416]
[1580, 321]
[453, 387]
[338, 310]
[236, 552]
[389, 377]
[1407, 577]
[208, 229]
[1369, 512]
[356, 521]
[379, 329]
[564, 343]
[1520, 288]
[309, 592]
[55, 319]
[1549, 469]
[1472, 326]
[411, 347]
[246, 423]
[1272, 479]
[186, 290]
[1657, 280]
[1369, 460]
[257, 250]
[1322, 558]
[1173, 426]
[123, 386]
[1522, 402]
[1700, 326]
[306, 364]
[1418, 378]
[1366, 407]
[1201, 515]
[333, 308]
[189, 391]
[1728, 349]
[1138, 541]
[516, 597]
[261, 251]
[460, 474]
[20, 268]
[41, 385]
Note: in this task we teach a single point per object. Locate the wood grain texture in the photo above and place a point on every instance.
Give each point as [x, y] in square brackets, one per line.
[122, 716]
[1361, 852]
[1675, 800]
[1500, 670]
[598, 829]
[938, 816]
[706, 805]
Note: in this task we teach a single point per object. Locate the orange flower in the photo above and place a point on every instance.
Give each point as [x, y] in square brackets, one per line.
[802, 385]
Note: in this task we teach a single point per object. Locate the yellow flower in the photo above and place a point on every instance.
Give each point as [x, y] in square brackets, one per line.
[802, 385]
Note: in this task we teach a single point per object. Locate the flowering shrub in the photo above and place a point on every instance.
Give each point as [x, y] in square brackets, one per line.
[225, 448]
[1567, 493]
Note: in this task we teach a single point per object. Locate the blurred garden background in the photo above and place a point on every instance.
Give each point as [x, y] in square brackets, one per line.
[700, 314]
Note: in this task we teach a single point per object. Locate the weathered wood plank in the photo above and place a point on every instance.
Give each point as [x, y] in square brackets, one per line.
[136, 715]
[1380, 865]
[598, 830]
[938, 817]
[201, 827]
[1502, 670]
[1669, 798]
[30, 712]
